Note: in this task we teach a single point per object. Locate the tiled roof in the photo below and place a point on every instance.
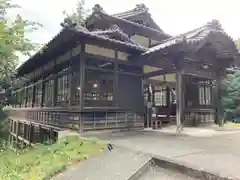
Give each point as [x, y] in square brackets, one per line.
[81, 31]
[191, 37]
[106, 35]
[113, 30]
[140, 8]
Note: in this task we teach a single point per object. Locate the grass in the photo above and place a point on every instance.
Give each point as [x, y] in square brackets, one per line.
[44, 161]
[233, 124]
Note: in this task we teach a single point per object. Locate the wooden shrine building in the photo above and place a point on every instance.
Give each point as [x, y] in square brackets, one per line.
[116, 68]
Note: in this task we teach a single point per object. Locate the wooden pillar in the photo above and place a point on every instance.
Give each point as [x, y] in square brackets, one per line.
[30, 133]
[82, 86]
[25, 96]
[70, 79]
[179, 98]
[218, 103]
[115, 80]
[33, 94]
[41, 134]
[55, 85]
[51, 135]
[43, 93]
[10, 130]
[17, 132]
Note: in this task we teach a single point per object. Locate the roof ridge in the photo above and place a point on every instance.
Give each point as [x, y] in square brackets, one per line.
[136, 24]
[140, 8]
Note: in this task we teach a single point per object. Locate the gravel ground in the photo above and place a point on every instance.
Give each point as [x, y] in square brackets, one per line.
[158, 173]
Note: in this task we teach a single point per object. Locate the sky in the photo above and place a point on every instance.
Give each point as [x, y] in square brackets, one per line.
[173, 16]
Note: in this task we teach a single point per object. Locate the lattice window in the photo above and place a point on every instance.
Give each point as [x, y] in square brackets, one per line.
[205, 93]
[160, 97]
[98, 88]
[63, 88]
[76, 86]
[48, 93]
[29, 96]
[38, 95]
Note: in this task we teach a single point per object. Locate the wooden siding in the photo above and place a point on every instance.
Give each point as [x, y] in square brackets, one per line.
[142, 40]
[100, 51]
[122, 56]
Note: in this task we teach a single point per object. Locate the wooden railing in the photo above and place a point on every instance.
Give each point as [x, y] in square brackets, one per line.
[81, 121]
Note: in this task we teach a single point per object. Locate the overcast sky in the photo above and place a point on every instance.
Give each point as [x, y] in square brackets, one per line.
[173, 16]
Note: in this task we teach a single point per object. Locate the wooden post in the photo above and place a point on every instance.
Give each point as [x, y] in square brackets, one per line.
[55, 93]
[30, 133]
[70, 79]
[51, 135]
[218, 103]
[43, 93]
[82, 86]
[10, 130]
[179, 98]
[17, 132]
[115, 80]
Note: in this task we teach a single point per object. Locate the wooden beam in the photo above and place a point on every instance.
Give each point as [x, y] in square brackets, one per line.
[199, 73]
[160, 72]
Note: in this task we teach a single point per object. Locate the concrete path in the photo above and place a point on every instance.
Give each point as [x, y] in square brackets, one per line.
[157, 173]
[216, 154]
[119, 164]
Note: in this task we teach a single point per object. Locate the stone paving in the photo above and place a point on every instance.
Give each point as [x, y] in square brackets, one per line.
[216, 154]
[119, 164]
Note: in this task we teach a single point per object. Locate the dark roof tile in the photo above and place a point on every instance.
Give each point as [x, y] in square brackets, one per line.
[191, 37]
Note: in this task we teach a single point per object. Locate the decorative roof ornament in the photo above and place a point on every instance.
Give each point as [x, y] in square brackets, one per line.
[215, 24]
[141, 7]
[97, 8]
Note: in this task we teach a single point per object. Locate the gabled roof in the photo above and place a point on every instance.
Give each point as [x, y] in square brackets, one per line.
[140, 9]
[114, 32]
[100, 14]
[195, 38]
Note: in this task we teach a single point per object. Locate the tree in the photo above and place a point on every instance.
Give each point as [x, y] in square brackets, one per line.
[13, 40]
[77, 17]
[231, 96]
